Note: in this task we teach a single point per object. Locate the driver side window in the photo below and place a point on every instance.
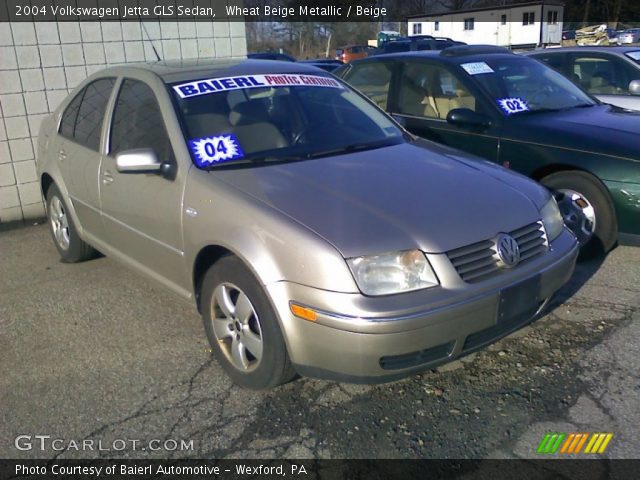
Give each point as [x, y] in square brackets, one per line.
[137, 122]
[431, 91]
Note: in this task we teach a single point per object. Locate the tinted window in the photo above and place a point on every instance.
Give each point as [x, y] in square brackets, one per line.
[373, 80]
[137, 122]
[82, 120]
[70, 115]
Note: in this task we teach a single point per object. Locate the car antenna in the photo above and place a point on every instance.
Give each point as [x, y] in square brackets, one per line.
[144, 27]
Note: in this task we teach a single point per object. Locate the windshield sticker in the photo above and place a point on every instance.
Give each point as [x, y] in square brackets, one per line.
[215, 85]
[513, 105]
[211, 150]
[477, 68]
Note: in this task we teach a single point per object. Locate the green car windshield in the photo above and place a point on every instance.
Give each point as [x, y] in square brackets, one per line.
[239, 120]
[521, 85]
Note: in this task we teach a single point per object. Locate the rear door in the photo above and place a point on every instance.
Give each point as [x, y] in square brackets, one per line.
[80, 151]
[142, 211]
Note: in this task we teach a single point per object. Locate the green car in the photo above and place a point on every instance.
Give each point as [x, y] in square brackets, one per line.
[519, 113]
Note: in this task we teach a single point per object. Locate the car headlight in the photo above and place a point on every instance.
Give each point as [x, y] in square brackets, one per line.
[552, 219]
[394, 272]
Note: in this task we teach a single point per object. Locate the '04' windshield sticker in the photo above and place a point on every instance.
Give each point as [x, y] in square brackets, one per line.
[477, 68]
[214, 85]
[513, 105]
[211, 150]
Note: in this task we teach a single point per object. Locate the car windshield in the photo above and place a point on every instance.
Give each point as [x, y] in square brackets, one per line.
[278, 117]
[635, 56]
[519, 85]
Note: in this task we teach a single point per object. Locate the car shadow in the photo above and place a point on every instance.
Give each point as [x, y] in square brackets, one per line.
[585, 269]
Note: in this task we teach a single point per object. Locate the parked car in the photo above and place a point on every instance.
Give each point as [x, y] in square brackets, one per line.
[312, 232]
[612, 74]
[352, 52]
[631, 35]
[271, 56]
[415, 43]
[326, 64]
[518, 112]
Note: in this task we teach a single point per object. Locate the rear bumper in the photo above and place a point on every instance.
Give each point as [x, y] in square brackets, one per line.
[380, 339]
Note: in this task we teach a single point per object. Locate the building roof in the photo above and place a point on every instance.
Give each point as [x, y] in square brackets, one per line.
[487, 9]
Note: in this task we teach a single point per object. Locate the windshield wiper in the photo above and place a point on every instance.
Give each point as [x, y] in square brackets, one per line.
[354, 147]
[257, 160]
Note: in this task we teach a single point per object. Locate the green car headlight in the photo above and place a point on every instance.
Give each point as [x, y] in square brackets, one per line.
[391, 273]
[552, 219]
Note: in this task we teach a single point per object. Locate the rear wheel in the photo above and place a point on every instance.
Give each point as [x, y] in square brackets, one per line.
[70, 246]
[587, 210]
[242, 327]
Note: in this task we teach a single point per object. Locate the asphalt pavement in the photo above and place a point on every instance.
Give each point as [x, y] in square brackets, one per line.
[96, 361]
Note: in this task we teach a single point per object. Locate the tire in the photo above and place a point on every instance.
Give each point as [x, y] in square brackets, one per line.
[589, 189]
[65, 236]
[248, 344]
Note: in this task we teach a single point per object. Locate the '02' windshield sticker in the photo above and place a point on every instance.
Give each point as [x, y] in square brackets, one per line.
[211, 150]
[477, 68]
[215, 85]
[513, 105]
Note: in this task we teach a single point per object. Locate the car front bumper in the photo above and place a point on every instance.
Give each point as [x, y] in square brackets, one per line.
[378, 339]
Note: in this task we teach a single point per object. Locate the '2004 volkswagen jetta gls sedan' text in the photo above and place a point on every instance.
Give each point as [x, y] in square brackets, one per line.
[314, 234]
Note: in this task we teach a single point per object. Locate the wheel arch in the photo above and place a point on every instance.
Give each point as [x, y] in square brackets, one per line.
[46, 181]
[204, 260]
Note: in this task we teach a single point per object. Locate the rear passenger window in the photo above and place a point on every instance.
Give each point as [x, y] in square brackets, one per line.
[137, 122]
[373, 80]
[82, 119]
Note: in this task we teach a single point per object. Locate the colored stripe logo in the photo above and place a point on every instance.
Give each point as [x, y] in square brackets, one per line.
[574, 443]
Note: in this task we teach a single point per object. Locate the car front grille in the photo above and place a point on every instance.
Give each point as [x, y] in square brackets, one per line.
[480, 260]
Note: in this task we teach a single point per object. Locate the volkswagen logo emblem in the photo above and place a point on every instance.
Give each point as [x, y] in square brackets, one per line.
[508, 250]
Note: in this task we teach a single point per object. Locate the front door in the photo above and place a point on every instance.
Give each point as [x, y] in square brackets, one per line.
[426, 93]
[142, 211]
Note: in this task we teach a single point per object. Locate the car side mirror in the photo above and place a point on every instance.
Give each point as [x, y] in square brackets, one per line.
[465, 117]
[634, 87]
[141, 160]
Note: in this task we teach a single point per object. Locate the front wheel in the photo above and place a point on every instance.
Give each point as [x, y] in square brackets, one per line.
[587, 210]
[242, 327]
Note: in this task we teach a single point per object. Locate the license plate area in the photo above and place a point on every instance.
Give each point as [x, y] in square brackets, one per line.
[519, 300]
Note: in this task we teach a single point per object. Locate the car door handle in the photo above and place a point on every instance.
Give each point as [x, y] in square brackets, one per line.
[107, 178]
[62, 156]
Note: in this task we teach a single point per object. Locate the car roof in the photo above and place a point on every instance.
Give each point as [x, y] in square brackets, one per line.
[614, 50]
[456, 54]
[193, 69]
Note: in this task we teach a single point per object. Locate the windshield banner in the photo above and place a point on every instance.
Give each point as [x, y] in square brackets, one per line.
[215, 85]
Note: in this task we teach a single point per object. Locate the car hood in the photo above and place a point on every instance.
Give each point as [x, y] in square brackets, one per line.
[602, 129]
[394, 198]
